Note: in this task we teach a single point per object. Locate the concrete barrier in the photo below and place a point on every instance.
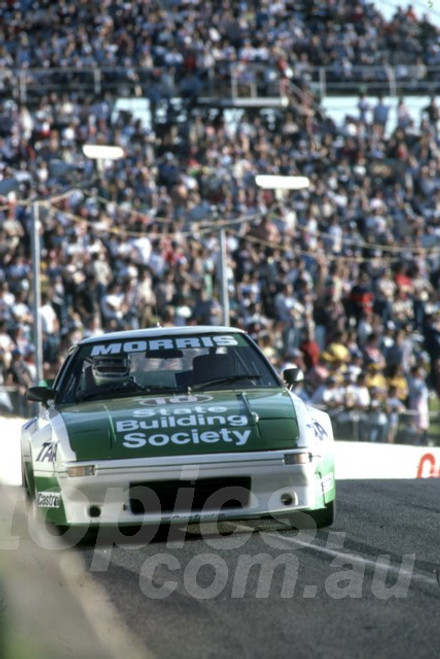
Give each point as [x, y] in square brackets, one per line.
[368, 460]
[10, 467]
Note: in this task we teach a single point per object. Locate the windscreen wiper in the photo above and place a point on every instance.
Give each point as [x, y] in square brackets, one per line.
[224, 380]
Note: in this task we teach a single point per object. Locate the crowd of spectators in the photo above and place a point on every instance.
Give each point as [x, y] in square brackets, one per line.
[341, 278]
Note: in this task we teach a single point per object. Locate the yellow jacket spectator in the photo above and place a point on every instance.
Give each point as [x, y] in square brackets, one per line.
[375, 377]
[396, 378]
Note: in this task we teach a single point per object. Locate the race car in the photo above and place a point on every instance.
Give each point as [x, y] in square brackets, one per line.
[175, 425]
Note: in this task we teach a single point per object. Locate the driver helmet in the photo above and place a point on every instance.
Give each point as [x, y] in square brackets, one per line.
[110, 369]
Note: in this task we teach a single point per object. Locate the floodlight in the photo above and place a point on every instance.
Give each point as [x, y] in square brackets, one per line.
[103, 151]
[277, 182]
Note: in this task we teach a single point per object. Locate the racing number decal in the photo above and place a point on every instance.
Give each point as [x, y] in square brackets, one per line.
[47, 453]
[319, 430]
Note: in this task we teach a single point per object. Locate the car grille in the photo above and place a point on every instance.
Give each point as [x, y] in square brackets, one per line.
[180, 496]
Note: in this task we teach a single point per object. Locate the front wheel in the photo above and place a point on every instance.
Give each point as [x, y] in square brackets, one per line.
[324, 516]
[25, 484]
[312, 519]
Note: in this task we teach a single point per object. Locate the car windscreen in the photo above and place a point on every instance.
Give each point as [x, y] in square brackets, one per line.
[174, 365]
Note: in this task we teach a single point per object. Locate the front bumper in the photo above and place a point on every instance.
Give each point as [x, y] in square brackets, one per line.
[189, 489]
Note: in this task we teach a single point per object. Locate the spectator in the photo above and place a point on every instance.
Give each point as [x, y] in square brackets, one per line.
[361, 297]
[375, 377]
[288, 310]
[86, 300]
[328, 396]
[395, 352]
[384, 289]
[365, 327]
[347, 418]
[19, 378]
[300, 390]
[387, 340]
[207, 310]
[310, 348]
[418, 404]
[431, 336]
[266, 231]
[164, 291]
[396, 378]
[7, 300]
[377, 416]
[316, 375]
[21, 313]
[403, 309]
[371, 351]
[293, 358]
[356, 363]
[266, 345]
[364, 107]
[113, 307]
[401, 277]
[361, 404]
[380, 117]
[394, 408]
[404, 117]
[421, 292]
[50, 326]
[7, 345]
[337, 348]
[432, 112]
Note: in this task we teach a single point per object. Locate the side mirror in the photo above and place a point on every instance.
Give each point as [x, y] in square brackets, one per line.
[293, 375]
[41, 394]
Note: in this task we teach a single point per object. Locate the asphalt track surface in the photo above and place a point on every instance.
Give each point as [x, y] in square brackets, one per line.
[367, 587]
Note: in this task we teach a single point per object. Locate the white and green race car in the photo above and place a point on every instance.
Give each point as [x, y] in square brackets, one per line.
[183, 424]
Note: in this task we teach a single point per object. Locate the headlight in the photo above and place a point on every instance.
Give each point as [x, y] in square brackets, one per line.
[85, 470]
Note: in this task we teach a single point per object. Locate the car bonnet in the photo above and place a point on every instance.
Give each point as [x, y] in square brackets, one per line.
[215, 422]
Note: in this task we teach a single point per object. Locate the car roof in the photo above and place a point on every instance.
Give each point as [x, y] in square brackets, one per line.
[151, 332]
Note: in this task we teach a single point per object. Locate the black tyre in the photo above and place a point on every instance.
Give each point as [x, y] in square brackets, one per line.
[25, 484]
[325, 516]
[312, 519]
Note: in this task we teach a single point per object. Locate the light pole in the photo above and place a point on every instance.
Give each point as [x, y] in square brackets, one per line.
[224, 295]
[36, 290]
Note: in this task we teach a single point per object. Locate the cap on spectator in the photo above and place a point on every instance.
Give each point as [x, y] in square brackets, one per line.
[374, 366]
[336, 353]
[293, 353]
[352, 372]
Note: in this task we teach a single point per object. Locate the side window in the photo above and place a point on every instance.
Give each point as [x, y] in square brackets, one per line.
[249, 361]
[71, 385]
